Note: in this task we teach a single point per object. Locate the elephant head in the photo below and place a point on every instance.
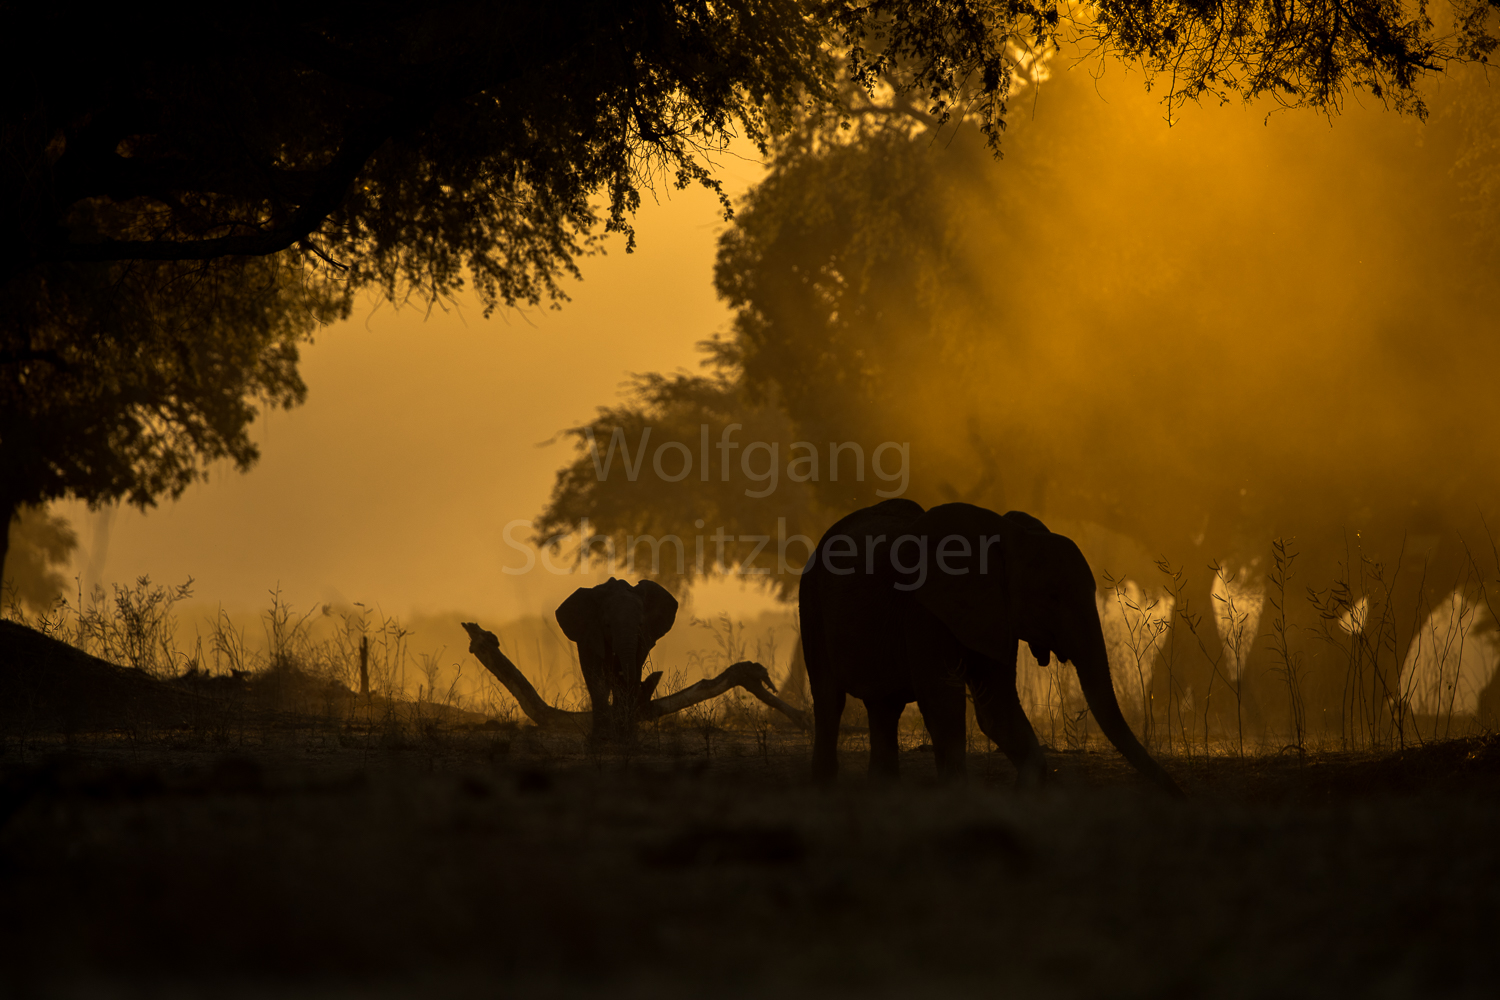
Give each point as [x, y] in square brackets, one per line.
[995, 580]
[615, 626]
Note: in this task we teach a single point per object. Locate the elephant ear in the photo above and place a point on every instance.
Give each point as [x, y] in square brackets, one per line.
[579, 616]
[658, 610]
[977, 605]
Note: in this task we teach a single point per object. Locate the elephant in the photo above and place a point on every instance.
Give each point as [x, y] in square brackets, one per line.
[945, 606]
[615, 626]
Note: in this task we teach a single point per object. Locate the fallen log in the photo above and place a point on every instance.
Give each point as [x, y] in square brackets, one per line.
[746, 674]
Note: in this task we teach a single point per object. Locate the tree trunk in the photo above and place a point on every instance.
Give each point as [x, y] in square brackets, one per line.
[9, 510]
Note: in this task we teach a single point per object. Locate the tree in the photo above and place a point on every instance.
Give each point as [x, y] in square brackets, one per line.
[192, 198]
[638, 482]
[168, 178]
[1182, 382]
[414, 144]
[150, 372]
[836, 265]
[884, 274]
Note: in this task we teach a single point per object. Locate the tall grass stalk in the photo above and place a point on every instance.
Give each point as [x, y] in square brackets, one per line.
[1176, 589]
[1235, 621]
[1369, 707]
[1283, 563]
[1194, 622]
[1140, 641]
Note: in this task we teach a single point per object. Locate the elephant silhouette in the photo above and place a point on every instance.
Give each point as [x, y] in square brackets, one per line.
[615, 626]
[902, 605]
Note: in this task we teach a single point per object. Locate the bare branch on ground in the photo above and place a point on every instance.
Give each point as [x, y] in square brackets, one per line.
[746, 674]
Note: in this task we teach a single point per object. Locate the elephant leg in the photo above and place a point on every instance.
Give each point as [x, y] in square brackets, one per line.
[997, 708]
[935, 660]
[828, 712]
[943, 712]
[885, 718]
[601, 724]
[1005, 722]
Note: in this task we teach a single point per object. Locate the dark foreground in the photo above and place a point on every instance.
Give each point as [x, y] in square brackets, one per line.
[307, 863]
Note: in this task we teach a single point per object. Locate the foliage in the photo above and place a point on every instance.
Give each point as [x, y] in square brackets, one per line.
[413, 143]
[864, 310]
[192, 197]
[698, 527]
[420, 142]
[835, 265]
[891, 281]
[1309, 55]
[185, 198]
[148, 371]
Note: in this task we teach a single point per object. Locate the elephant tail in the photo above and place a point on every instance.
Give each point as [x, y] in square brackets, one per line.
[1099, 692]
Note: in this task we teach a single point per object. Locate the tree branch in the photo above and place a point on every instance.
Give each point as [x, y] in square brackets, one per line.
[762, 690]
[327, 194]
[486, 649]
[316, 195]
[746, 674]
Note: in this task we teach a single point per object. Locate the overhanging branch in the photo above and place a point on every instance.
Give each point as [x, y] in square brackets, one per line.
[326, 196]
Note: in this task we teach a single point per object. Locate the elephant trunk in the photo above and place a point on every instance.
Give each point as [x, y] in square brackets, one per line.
[1092, 664]
[624, 666]
[627, 694]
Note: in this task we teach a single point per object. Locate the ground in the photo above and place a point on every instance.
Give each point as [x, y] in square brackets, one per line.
[705, 863]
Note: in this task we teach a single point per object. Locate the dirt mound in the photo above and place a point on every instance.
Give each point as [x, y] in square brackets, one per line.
[48, 685]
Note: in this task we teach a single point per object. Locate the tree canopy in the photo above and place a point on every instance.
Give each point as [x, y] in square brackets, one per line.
[189, 197]
[1194, 372]
[415, 145]
[149, 370]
